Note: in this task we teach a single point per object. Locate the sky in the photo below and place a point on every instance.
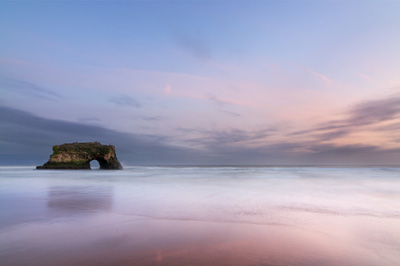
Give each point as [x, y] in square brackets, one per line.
[202, 82]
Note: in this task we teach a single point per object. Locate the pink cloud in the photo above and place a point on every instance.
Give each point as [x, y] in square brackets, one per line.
[167, 89]
[364, 76]
[319, 75]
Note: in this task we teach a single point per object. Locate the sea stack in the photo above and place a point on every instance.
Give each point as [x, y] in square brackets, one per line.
[79, 155]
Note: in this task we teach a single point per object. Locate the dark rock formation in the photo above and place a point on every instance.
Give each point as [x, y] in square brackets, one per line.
[79, 155]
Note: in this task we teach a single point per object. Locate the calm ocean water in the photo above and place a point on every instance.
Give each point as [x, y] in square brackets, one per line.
[200, 216]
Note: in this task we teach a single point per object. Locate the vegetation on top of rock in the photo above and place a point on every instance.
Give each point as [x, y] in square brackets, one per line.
[78, 147]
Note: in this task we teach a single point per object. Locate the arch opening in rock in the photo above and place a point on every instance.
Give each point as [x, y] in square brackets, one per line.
[79, 155]
[94, 165]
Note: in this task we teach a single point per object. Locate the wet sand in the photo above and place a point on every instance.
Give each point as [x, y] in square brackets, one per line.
[127, 240]
[185, 218]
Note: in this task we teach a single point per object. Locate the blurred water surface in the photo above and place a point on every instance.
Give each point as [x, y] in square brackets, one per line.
[200, 216]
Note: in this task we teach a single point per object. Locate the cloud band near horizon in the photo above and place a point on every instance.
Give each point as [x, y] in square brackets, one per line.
[27, 138]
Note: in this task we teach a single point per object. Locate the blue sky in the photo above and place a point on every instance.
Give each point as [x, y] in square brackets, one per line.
[203, 82]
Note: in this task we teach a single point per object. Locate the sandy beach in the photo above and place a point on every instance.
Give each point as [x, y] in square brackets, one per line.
[200, 216]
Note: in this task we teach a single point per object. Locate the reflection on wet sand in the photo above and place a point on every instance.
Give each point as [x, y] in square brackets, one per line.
[79, 199]
[202, 217]
[128, 240]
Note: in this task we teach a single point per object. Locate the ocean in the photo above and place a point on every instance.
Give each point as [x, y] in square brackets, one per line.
[200, 216]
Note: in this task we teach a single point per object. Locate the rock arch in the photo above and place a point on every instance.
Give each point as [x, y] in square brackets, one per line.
[79, 155]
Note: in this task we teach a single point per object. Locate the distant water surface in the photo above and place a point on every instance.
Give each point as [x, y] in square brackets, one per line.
[200, 216]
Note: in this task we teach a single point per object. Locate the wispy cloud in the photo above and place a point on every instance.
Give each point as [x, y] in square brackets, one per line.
[217, 139]
[217, 101]
[27, 88]
[223, 101]
[364, 76]
[151, 118]
[238, 135]
[125, 100]
[230, 113]
[319, 75]
[89, 120]
[376, 111]
[362, 115]
[194, 44]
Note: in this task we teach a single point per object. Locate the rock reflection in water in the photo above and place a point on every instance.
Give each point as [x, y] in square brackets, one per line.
[78, 199]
